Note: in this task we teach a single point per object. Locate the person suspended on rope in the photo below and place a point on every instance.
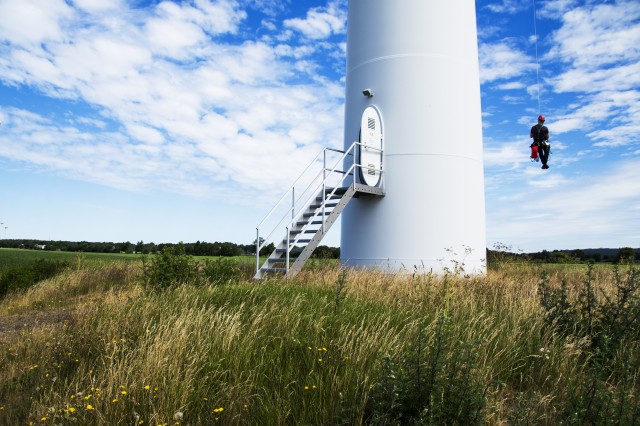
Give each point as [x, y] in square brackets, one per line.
[540, 135]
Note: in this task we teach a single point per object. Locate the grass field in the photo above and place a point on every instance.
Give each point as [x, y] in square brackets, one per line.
[11, 257]
[100, 344]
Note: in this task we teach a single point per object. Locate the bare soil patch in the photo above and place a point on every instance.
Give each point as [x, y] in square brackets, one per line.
[16, 323]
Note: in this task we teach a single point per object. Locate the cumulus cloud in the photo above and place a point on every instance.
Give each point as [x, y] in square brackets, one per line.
[186, 109]
[605, 34]
[321, 22]
[502, 61]
[598, 49]
[27, 23]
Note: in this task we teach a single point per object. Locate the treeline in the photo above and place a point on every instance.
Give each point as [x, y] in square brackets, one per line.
[607, 255]
[199, 248]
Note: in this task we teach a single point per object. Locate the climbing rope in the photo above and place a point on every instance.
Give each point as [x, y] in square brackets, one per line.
[535, 31]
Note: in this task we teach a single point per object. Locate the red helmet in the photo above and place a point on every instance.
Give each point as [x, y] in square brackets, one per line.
[541, 118]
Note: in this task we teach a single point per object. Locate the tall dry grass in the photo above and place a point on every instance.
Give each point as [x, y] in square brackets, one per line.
[328, 347]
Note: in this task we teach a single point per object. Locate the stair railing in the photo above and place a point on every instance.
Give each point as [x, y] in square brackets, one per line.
[310, 191]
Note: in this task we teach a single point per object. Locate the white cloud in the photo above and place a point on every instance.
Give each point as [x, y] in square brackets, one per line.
[512, 85]
[598, 48]
[321, 22]
[224, 112]
[508, 154]
[616, 136]
[590, 80]
[605, 34]
[98, 6]
[553, 9]
[501, 61]
[597, 209]
[30, 22]
[508, 6]
[146, 134]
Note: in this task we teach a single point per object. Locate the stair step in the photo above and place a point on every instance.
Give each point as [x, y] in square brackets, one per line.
[303, 223]
[306, 231]
[282, 260]
[274, 270]
[313, 214]
[339, 191]
[317, 206]
[298, 242]
[295, 250]
[335, 197]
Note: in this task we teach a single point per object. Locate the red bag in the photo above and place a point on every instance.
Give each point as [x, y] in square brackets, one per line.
[534, 153]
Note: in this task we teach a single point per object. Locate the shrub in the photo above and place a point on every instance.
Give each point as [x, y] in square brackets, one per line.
[21, 277]
[222, 271]
[610, 322]
[432, 382]
[171, 267]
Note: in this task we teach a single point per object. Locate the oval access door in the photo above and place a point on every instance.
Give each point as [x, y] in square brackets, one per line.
[371, 148]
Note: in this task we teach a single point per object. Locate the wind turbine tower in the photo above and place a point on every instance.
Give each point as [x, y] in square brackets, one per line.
[413, 87]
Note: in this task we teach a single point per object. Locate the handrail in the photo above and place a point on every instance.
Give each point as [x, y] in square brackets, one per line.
[294, 202]
[322, 185]
[326, 174]
[291, 188]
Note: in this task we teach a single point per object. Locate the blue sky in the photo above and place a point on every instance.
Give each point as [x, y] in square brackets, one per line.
[129, 120]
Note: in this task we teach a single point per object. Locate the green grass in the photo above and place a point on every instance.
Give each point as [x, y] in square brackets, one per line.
[13, 257]
[328, 347]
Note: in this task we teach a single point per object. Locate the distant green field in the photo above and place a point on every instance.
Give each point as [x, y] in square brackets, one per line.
[11, 257]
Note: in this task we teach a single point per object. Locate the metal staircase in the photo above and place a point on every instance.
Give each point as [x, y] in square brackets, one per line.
[311, 212]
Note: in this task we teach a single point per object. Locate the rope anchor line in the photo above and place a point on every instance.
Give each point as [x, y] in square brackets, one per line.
[535, 31]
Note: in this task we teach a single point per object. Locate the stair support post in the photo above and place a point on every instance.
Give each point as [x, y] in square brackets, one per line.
[324, 187]
[287, 251]
[257, 250]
